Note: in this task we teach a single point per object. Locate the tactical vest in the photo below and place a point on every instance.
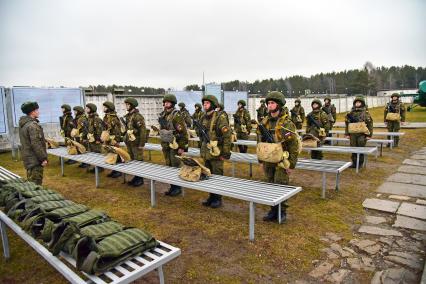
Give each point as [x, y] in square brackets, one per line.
[394, 108]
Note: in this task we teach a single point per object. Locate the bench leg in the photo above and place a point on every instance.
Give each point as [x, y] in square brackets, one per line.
[160, 274]
[251, 220]
[61, 159]
[324, 180]
[4, 240]
[124, 178]
[149, 156]
[233, 169]
[381, 149]
[251, 170]
[365, 160]
[279, 214]
[153, 201]
[357, 162]
[96, 176]
[337, 181]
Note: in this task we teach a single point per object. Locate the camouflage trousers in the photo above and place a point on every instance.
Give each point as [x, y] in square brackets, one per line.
[95, 147]
[170, 157]
[358, 140]
[35, 175]
[394, 126]
[216, 168]
[299, 125]
[242, 136]
[275, 174]
[134, 152]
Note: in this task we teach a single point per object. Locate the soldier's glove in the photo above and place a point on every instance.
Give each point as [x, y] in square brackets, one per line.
[244, 128]
[91, 137]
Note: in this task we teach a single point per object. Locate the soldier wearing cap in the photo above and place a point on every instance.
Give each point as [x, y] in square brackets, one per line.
[135, 136]
[33, 144]
[242, 124]
[174, 137]
[112, 130]
[394, 115]
[216, 123]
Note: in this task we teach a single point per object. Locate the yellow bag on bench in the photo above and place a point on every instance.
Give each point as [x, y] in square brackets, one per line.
[358, 127]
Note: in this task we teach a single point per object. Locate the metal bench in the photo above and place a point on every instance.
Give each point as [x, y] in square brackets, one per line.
[255, 192]
[378, 142]
[375, 133]
[126, 272]
[323, 166]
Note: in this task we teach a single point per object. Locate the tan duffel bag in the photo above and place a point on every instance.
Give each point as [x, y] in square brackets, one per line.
[393, 116]
[192, 169]
[309, 141]
[105, 137]
[358, 127]
[114, 153]
[51, 144]
[269, 152]
[74, 148]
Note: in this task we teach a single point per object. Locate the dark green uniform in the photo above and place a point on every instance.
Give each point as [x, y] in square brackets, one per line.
[171, 120]
[394, 126]
[262, 111]
[320, 117]
[298, 115]
[283, 130]
[330, 110]
[66, 122]
[95, 129]
[80, 123]
[33, 144]
[197, 115]
[217, 125]
[112, 124]
[242, 125]
[184, 113]
[359, 114]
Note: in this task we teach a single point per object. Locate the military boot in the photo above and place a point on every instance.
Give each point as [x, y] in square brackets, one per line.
[83, 165]
[114, 174]
[138, 182]
[217, 201]
[208, 201]
[174, 190]
[272, 214]
[70, 162]
[132, 180]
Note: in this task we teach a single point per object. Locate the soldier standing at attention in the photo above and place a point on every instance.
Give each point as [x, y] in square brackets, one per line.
[359, 113]
[33, 144]
[113, 126]
[67, 124]
[278, 123]
[216, 123]
[94, 131]
[330, 110]
[197, 115]
[185, 114]
[135, 136]
[317, 125]
[80, 119]
[242, 124]
[298, 114]
[394, 115]
[174, 137]
[262, 111]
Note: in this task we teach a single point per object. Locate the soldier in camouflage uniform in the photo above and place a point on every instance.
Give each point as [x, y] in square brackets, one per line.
[172, 123]
[262, 111]
[112, 124]
[67, 124]
[197, 115]
[80, 119]
[94, 131]
[135, 136]
[330, 110]
[185, 114]
[278, 123]
[395, 106]
[359, 113]
[242, 124]
[220, 107]
[298, 114]
[316, 121]
[33, 144]
[216, 123]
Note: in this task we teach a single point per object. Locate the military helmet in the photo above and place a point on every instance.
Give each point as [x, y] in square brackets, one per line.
[28, 107]
[359, 99]
[277, 97]
[262, 101]
[221, 106]
[327, 98]
[198, 105]
[170, 98]
[298, 101]
[78, 109]
[242, 102]
[395, 95]
[317, 101]
[212, 99]
[109, 105]
[181, 104]
[131, 101]
[66, 107]
[92, 107]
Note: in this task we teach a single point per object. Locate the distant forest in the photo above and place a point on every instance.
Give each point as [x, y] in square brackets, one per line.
[367, 81]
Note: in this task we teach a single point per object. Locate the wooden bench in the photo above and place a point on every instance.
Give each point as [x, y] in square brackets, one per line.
[254, 192]
[125, 272]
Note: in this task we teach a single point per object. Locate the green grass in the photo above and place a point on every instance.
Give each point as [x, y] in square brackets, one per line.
[214, 243]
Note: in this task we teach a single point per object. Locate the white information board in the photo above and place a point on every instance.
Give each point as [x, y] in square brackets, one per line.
[190, 98]
[215, 90]
[231, 99]
[48, 99]
[3, 124]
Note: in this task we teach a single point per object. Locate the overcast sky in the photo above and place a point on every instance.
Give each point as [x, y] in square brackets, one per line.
[170, 43]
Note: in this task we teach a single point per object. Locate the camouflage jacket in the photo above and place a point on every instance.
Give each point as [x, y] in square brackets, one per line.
[359, 115]
[186, 117]
[95, 126]
[67, 124]
[217, 125]
[172, 120]
[112, 125]
[79, 122]
[197, 115]
[330, 109]
[297, 111]
[320, 117]
[262, 111]
[33, 144]
[242, 117]
[395, 108]
[136, 122]
[283, 130]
